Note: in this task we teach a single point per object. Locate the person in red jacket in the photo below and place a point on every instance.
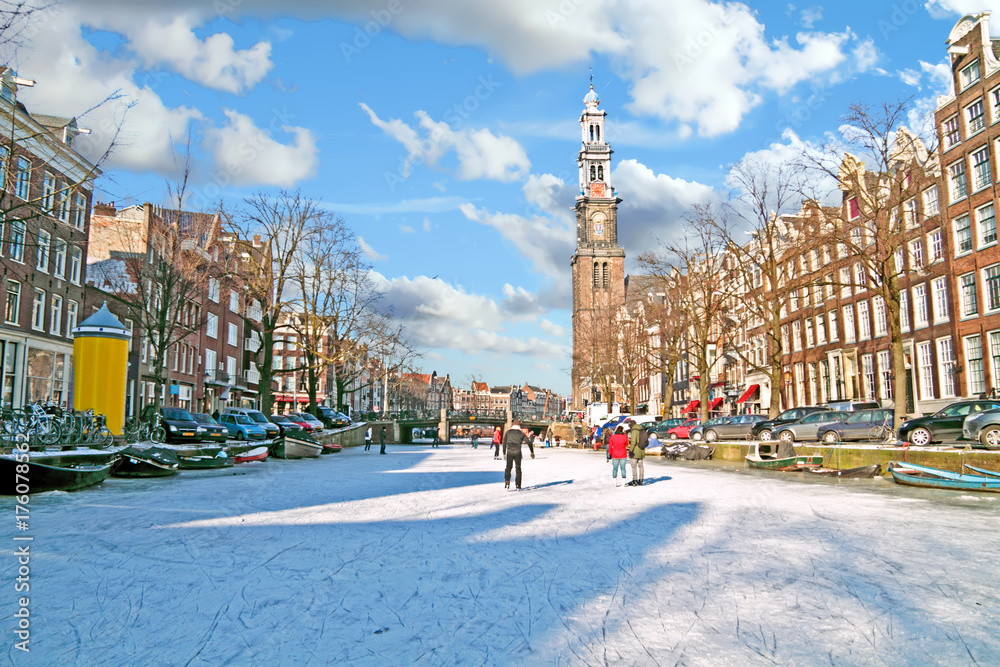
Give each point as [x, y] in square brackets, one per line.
[496, 444]
[618, 453]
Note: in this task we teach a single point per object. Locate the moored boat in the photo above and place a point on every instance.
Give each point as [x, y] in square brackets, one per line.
[205, 461]
[147, 462]
[785, 459]
[41, 477]
[253, 454]
[910, 474]
[331, 448]
[859, 472]
[295, 447]
[983, 471]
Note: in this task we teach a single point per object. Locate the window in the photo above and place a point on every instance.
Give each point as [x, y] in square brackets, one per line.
[845, 282]
[868, 371]
[956, 181]
[974, 360]
[849, 333]
[920, 305]
[38, 310]
[975, 120]
[17, 231]
[793, 301]
[881, 326]
[859, 278]
[212, 325]
[904, 310]
[864, 321]
[946, 367]
[967, 287]
[916, 254]
[940, 299]
[832, 317]
[213, 290]
[42, 252]
[79, 210]
[813, 390]
[55, 315]
[62, 202]
[75, 262]
[963, 235]
[995, 355]
[784, 337]
[48, 193]
[950, 131]
[910, 213]
[22, 185]
[853, 210]
[211, 363]
[885, 374]
[931, 206]
[810, 342]
[980, 169]
[820, 330]
[987, 225]
[828, 288]
[234, 301]
[233, 334]
[969, 75]
[279, 343]
[71, 311]
[59, 258]
[991, 286]
[13, 303]
[936, 245]
[926, 368]
[231, 366]
[796, 336]
[278, 363]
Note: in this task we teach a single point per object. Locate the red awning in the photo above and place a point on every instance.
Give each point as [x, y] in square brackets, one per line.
[748, 393]
[715, 403]
[690, 406]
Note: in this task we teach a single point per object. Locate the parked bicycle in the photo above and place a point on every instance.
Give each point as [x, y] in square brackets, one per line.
[883, 433]
[140, 430]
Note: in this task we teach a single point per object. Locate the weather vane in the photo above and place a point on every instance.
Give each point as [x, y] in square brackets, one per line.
[590, 67]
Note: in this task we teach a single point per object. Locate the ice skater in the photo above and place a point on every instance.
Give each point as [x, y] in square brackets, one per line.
[638, 440]
[381, 438]
[475, 440]
[368, 439]
[617, 453]
[496, 444]
[512, 441]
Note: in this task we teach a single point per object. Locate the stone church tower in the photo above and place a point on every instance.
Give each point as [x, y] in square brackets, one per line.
[599, 262]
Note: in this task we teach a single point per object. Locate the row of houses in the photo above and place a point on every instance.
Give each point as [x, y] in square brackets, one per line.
[526, 399]
[835, 329]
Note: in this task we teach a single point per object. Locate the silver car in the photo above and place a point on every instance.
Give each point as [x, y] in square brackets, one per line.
[807, 427]
[984, 427]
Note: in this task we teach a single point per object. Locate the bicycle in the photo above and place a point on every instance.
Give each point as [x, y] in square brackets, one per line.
[883, 433]
[38, 425]
[141, 430]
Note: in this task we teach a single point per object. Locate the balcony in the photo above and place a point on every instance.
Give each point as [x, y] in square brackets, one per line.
[220, 378]
[239, 381]
[253, 376]
[251, 344]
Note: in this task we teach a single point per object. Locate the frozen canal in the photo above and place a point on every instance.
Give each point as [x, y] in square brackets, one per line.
[422, 558]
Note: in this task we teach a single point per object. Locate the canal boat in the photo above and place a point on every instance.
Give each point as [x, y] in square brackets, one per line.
[295, 447]
[205, 460]
[146, 462]
[784, 459]
[910, 474]
[983, 471]
[331, 448]
[42, 477]
[258, 453]
[854, 473]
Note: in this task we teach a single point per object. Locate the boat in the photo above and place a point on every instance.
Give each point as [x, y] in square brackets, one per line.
[910, 474]
[862, 471]
[331, 448]
[254, 454]
[205, 461]
[146, 462]
[784, 459]
[983, 471]
[42, 477]
[687, 451]
[295, 447]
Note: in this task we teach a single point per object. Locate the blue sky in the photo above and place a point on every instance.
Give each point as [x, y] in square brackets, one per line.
[445, 132]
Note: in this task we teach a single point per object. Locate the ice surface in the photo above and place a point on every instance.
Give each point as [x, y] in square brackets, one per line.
[422, 557]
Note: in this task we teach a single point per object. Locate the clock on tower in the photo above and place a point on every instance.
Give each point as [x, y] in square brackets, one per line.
[597, 189]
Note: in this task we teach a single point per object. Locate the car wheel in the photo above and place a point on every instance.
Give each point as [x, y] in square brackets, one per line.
[239, 435]
[696, 436]
[831, 437]
[765, 436]
[673, 436]
[920, 437]
[711, 435]
[786, 436]
[990, 437]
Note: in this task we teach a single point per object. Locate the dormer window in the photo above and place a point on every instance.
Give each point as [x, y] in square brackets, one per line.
[970, 75]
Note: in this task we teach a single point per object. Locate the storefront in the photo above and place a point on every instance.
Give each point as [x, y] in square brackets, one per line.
[48, 373]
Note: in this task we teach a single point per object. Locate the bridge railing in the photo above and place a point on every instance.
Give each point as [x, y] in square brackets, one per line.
[398, 415]
[476, 415]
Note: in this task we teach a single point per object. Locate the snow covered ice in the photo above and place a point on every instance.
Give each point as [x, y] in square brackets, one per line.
[422, 558]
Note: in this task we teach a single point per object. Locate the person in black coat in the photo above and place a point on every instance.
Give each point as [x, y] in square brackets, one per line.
[512, 441]
[381, 439]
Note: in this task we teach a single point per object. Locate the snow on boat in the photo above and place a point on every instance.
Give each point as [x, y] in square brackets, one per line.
[911, 474]
[784, 459]
[205, 461]
[41, 477]
[859, 472]
[147, 462]
[253, 454]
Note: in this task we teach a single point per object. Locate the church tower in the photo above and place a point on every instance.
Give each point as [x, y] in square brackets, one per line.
[599, 262]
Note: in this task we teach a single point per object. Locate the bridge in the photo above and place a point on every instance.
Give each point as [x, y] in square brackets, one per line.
[402, 423]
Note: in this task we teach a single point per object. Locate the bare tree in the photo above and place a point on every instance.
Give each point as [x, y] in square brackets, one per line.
[598, 358]
[667, 328]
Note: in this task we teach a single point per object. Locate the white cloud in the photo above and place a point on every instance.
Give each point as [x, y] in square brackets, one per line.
[247, 155]
[810, 16]
[370, 252]
[427, 224]
[406, 229]
[551, 328]
[480, 153]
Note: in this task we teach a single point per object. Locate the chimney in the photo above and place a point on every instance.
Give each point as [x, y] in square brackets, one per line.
[256, 239]
[107, 209]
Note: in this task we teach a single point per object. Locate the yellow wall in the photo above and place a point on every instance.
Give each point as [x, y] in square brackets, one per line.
[101, 365]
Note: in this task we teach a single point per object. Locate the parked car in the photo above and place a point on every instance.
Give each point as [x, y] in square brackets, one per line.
[661, 427]
[737, 427]
[258, 418]
[211, 429]
[762, 429]
[331, 418]
[315, 423]
[242, 427]
[286, 425]
[807, 428]
[682, 431]
[698, 432]
[852, 406]
[983, 427]
[945, 424]
[614, 422]
[855, 426]
[179, 424]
